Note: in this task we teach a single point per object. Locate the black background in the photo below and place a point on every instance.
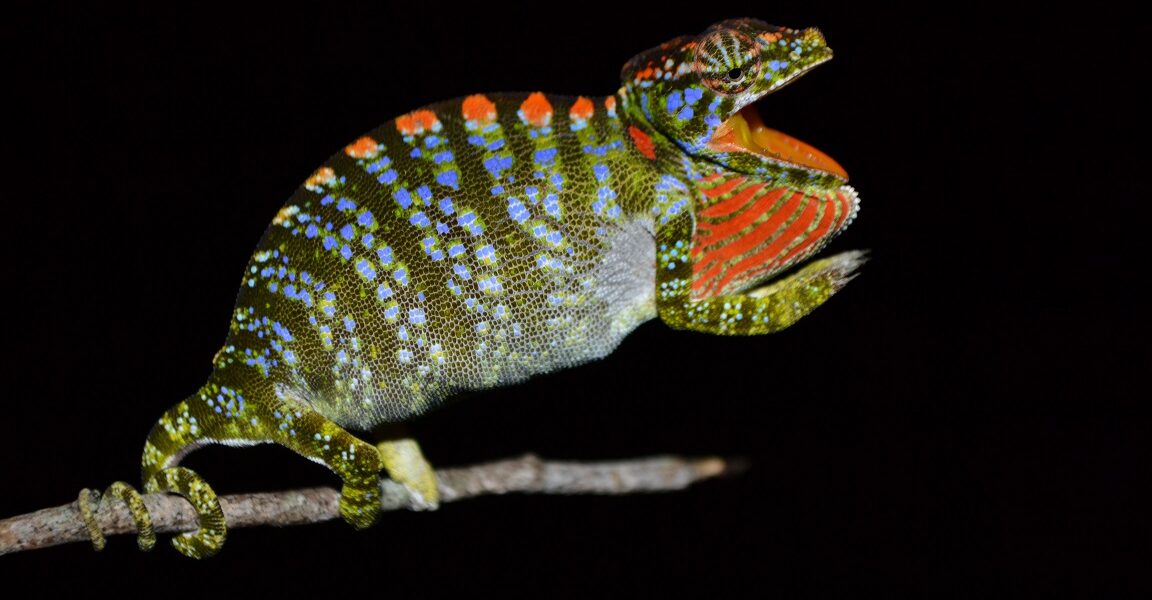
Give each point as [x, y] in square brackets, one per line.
[965, 417]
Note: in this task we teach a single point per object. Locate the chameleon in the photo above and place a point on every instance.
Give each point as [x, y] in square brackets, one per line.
[476, 242]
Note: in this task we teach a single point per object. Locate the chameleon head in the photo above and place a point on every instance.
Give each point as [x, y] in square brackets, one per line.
[700, 92]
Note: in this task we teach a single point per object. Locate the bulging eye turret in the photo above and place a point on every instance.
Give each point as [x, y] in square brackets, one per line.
[727, 61]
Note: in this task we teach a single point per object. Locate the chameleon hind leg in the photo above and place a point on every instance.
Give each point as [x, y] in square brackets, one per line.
[766, 309]
[407, 466]
[222, 415]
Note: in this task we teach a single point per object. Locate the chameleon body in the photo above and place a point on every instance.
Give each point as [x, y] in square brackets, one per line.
[477, 242]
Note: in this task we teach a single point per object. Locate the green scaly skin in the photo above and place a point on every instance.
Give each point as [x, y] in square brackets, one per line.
[477, 242]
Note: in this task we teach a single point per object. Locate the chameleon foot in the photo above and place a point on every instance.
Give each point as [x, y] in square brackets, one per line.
[210, 537]
[407, 466]
[146, 535]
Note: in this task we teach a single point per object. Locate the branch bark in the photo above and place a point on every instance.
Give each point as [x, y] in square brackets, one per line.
[526, 474]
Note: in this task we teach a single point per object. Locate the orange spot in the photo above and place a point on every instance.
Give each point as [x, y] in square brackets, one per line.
[770, 36]
[417, 122]
[536, 110]
[322, 176]
[610, 104]
[478, 108]
[643, 142]
[364, 147]
[582, 110]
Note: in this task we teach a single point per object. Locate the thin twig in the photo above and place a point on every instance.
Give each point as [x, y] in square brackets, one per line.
[526, 474]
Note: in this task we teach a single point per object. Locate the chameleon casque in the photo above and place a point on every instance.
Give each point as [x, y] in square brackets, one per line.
[477, 242]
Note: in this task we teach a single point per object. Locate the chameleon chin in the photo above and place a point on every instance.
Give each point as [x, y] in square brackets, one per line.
[477, 242]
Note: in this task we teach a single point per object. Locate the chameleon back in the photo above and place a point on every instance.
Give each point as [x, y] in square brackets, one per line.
[470, 244]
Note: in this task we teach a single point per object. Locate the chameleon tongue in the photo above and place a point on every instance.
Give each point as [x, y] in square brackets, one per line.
[744, 131]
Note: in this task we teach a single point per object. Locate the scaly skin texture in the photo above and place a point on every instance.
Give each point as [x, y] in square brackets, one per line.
[476, 242]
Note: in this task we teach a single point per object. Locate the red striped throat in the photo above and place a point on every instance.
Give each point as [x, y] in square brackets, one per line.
[748, 231]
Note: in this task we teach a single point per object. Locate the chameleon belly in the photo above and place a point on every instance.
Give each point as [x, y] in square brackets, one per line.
[463, 246]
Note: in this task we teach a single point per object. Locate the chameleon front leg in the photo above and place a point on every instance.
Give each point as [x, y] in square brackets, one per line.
[766, 309]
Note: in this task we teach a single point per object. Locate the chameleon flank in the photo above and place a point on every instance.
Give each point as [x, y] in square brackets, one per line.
[476, 242]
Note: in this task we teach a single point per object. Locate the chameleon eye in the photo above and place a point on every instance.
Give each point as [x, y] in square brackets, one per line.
[727, 61]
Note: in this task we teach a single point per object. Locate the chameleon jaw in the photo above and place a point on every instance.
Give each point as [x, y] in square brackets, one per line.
[745, 132]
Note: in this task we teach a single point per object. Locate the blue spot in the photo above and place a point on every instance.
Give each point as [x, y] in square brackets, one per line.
[380, 164]
[326, 200]
[419, 220]
[415, 153]
[312, 231]
[420, 296]
[366, 219]
[347, 232]
[391, 312]
[346, 252]
[367, 240]
[385, 255]
[402, 197]
[496, 144]
[496, 164]
[349, 324]
[387, 177]
[425, 194]
[290, 357]
[272, 287]
[383, 292]
[306, 277]
[431, 141]
[461, 272]
[776, 65]
[712, 121]
[456, 250]
[674, 102]
[557, 180]
[416, 316]
[341, 355]
[552, 205]
[329, 243]
[600, 171]
[401, 275]
[441, 228]
[345, 204]
[686, 113]
[516, 210]
[446, 206]
[485, 252]
[449, 178]
[442, 157]
[546, 156]
[476, 140]
[692, 95]
[497, 190]
[366, 269]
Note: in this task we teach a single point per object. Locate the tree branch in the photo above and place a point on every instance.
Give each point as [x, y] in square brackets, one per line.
[527, 474]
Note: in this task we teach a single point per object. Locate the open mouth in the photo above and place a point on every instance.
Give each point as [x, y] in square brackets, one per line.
[745, 132]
